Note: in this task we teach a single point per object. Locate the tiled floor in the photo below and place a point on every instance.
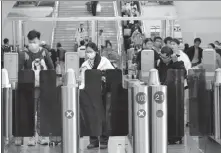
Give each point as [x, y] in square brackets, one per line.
[205, 145]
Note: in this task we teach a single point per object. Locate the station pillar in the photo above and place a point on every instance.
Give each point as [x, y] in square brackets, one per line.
[93, 30]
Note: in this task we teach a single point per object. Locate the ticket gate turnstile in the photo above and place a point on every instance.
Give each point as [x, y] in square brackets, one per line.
[148, 117]
[204, 109]
[217, 106]
[70, 114]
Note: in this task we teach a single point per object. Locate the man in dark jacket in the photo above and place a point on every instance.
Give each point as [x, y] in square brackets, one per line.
[61, 52]
[195, 53]
[168, 60]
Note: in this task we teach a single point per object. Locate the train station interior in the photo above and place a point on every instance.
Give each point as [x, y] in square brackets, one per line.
[111, 76]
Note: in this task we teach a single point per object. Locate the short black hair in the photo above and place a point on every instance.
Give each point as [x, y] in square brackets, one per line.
[147, 40]
[93, 46]
[167, 39]
[33, 34]
[5, 40]
[155, 38]
[52, 50]
[176, 41]
[212, 44]
[186, 46]
[166, 50]
[197, 39]
[101, 30]
[217, 42]
[82, 42]
[58, 44]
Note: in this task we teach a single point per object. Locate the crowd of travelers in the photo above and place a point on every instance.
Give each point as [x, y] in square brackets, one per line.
[38, 55]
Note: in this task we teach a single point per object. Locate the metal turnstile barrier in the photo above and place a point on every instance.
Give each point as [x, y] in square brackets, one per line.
[72, 62]
[5, 106]
[217, 105]
[209, 63]
[11, 65]
[130, 87]
[158, 113]
[130, 103]
[149, 115]
[141, 142]
[70, 114]
[147, 63]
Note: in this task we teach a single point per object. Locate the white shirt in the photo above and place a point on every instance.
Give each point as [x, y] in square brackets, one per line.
[104, 64]
[196, 56]
[183, 57]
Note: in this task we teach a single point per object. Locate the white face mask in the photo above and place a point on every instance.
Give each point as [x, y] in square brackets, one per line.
[91, 55]
[33, 47]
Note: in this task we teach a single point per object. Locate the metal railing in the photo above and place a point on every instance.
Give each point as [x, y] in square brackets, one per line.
[119, 33]
[142, 22]
[55, 14]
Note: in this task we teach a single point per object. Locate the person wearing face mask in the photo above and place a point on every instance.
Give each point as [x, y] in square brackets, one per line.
[36, 58]
[110, 54]
[95, 61]
[34, 51]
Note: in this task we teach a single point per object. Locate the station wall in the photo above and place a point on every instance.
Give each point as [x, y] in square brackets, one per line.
[45, 28]
[207, 29]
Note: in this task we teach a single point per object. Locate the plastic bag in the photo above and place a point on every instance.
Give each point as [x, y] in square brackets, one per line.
[98, 7]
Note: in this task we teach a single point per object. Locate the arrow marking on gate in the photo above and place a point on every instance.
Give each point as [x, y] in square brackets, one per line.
[69, 114]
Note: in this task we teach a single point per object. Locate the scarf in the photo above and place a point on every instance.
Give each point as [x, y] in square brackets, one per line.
[94, 64]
